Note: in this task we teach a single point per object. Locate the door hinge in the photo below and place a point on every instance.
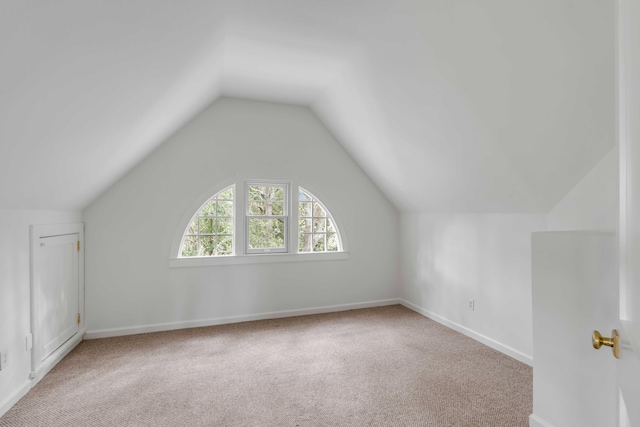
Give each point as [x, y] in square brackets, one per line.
[78, 245]
[78, 318]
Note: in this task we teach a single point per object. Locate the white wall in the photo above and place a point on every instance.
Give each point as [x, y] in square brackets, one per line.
[593, 203]
[448, 259]
[130, 228]
[15, 321]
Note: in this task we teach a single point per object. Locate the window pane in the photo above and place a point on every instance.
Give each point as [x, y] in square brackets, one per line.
[190, 246]
[256, 208]
[209, 209]
[318, 242]
[303, 197]
[304, 209]
[275, 193]
[266, 233]
[305, 241]
[207, 225]
[318, 210]
[226, 194]
[332, 242]
[225, 226]
[207, 245]
[275, 208]
[256, 192]
[214, 218]
[225, 245]
[319, 224]
[224, 208]
[317, 231]
[304, 226]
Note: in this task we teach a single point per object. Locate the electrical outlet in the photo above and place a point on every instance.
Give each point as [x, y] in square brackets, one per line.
[472, 305]
[4, 359]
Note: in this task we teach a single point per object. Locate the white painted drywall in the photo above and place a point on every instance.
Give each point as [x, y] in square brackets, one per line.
[448, 259]
[130, 228]
[593, 203]
[15, 295]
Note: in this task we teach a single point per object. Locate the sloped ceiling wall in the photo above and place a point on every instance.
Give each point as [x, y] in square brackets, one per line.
[449, 106]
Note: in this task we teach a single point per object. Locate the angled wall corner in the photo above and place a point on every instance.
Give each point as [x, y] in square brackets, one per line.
[131, 227]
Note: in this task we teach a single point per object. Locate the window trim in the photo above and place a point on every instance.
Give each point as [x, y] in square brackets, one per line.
[328, 216]
[233, 221]
[222, 260]
[239, 257]
[286, 214]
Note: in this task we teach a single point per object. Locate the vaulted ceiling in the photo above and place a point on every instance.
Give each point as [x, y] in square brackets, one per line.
[448, 105]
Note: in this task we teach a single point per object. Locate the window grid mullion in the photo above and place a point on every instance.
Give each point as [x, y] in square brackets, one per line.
[273, 234]
[284, 217]
[198, 237]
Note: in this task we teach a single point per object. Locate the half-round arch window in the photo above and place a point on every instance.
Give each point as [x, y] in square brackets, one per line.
[263, 227]
[317, 231]
[210, 231]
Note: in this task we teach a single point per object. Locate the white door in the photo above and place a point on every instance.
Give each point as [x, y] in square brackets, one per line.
[55, 294]
[562, 376]
[628, 366]
[575, 282]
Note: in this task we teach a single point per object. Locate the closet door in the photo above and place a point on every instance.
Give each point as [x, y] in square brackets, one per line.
[56, 310]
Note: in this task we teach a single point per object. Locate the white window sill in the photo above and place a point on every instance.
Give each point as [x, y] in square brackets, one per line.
[255, 259]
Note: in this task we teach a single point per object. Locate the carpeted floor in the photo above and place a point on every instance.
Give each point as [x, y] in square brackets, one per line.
[384, 366]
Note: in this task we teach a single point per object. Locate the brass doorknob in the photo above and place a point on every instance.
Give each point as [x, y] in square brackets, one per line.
[614, 342]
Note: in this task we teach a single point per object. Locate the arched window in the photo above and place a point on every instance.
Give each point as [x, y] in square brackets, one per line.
[317, 231]
[263, 227]
[210, 231]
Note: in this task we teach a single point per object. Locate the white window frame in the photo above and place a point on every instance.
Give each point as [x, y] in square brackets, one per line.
[240, 256]
[198, 235]
[328, 216]
[286, 213]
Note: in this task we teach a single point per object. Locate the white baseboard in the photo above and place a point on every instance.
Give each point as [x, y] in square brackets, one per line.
[524, 358]
[535, 421]
[50, 362]
[42, 370]
[132, 330]
[13, 398]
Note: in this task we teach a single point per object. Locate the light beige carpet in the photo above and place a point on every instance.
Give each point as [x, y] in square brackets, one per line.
[384, 366]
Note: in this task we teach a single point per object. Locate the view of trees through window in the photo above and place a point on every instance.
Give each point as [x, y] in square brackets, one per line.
[316, 232]
[267, 217]
[211, 230]
[266, 220]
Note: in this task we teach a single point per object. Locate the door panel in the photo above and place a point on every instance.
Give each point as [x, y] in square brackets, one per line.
[629, 136]
[569, 269]
[56, 294]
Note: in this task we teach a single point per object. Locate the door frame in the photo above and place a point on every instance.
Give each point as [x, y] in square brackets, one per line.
[40, 369]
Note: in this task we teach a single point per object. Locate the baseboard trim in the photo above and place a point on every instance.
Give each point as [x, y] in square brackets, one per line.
[535, 421]
[13, 398]
[524, 358]
[132, 330]
[50, 362]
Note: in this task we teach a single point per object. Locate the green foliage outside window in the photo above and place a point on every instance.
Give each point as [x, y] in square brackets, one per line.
[211, 230]
[316, 230]
[266, 206]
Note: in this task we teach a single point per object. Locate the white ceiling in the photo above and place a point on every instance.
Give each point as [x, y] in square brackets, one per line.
[448, 105]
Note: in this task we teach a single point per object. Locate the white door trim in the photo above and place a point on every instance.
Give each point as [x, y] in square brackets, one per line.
[40, 368]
